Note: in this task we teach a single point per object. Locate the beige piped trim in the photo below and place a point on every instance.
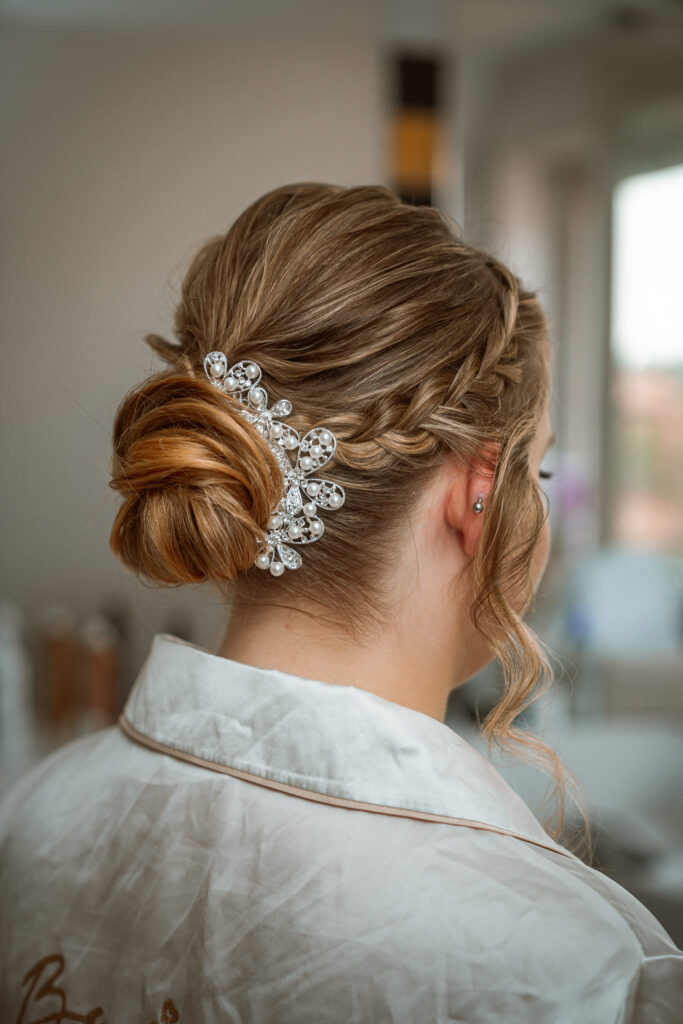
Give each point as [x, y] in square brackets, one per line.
[323, 798]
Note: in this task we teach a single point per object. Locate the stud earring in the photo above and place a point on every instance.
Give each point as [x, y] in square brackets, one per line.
[479, 505]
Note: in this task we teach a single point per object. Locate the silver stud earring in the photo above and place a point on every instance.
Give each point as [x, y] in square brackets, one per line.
[479, 505]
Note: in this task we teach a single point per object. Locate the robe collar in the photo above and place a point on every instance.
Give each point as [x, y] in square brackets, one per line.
[335, 743]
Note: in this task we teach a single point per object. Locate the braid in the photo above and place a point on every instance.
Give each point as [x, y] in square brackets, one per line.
[380, 322]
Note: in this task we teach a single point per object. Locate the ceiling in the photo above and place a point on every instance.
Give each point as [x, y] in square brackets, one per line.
[487, 25]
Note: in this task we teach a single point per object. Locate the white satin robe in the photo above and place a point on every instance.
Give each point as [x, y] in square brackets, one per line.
[252, 846]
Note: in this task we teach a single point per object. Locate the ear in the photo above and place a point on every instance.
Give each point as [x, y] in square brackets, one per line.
[472, 481]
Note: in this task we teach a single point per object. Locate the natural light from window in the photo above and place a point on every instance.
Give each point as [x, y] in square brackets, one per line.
[647, 355]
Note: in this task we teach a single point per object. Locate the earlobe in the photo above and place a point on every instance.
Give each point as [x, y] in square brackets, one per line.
[472, 527]
[467, 501]
[465, 516]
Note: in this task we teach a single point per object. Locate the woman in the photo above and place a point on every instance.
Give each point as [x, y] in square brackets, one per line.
[285, 830]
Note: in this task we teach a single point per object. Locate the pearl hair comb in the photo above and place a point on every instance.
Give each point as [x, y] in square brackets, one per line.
[295, 519]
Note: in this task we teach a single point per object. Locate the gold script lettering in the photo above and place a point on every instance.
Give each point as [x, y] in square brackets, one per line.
[41, 980]
[35, 993]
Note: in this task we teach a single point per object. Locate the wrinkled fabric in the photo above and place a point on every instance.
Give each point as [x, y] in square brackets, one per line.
[247, 845]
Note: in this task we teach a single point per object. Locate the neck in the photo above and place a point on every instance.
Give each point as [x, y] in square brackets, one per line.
[422, 651]
[414, 661]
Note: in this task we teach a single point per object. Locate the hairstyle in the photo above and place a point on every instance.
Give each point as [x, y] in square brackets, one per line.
[378, 321]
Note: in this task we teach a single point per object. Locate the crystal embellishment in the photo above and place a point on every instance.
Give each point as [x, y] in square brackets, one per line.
[295, 519]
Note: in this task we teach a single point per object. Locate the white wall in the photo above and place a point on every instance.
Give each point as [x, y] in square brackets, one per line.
[125, 147]
[122, 152]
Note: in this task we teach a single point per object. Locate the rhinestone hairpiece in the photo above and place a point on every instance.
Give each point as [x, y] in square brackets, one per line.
[294, 520]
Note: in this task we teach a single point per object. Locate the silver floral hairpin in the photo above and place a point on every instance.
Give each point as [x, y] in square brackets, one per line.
[295, 519]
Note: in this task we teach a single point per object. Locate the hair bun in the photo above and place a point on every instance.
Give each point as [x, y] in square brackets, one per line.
[198, 481]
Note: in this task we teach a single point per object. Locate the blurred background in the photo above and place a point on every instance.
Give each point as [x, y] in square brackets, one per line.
[551, 131]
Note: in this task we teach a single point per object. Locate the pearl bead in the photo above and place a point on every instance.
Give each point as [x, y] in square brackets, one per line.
[257, 396]
[306, 462]
[230, 381]
[316, 527]
[310, 508]
[277, 568]
[334, 500]
[313, 488]
[295, 531]
[291, 442]
[274, 522]
[216, 369]
[325, 436]
[277, 430]
[262, 560]
[251, 370]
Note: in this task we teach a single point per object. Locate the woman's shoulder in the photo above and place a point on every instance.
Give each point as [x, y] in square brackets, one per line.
[54, 774]
[493, 917]
[600, 890]
[558, 927]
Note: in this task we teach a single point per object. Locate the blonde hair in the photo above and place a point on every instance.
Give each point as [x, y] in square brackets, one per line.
[378, 321]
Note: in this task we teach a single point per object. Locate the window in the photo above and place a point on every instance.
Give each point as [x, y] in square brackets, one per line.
[647, 359]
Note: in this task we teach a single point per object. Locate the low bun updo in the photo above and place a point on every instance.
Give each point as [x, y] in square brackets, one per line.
[377, 320]
[198, 480]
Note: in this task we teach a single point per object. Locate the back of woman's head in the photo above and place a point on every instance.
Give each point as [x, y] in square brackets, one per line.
[376, 320]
